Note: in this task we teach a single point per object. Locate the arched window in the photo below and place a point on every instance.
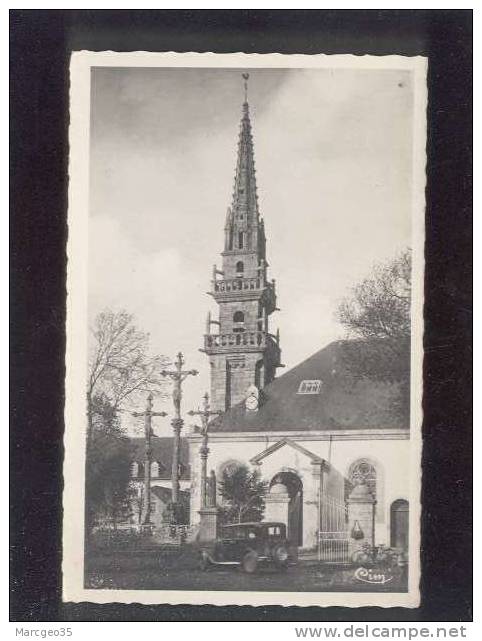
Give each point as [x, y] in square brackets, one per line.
[363, 471]
[239, 268]
[135, 469]
[240, 240]
[238, 322]
[155, 469]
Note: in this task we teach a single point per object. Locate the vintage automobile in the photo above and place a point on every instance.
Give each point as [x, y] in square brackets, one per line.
[250, 545]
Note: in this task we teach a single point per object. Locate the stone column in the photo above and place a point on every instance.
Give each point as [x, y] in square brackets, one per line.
[203, 452]
[209, 513]
[208, 524]
[361, 516]
[177, 424]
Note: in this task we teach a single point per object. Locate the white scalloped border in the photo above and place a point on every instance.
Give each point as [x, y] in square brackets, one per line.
[76, 345]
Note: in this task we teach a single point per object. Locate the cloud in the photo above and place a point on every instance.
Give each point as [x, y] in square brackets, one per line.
[159, 289]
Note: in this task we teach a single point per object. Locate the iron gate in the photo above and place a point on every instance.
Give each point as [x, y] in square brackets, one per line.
[333, 538]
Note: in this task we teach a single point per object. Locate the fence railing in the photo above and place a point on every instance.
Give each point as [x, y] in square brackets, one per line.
[334, 547]
[133, 535]
[334, 514]
[333, 537]
[173, 534]
[238, 285]
[237, 339]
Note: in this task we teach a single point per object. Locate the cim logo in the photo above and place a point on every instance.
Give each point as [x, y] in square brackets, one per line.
[370, 576]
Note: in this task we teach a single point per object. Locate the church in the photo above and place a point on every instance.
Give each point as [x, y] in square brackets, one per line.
[333, 449]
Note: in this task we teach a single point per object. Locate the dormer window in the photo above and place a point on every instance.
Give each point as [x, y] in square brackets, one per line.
[309, 387]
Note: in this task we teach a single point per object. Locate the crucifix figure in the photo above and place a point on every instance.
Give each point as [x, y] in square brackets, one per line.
[205, 414]
[178, 376]
[147, 414]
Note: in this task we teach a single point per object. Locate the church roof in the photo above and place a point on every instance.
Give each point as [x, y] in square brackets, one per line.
[320, 394]
[162, 448]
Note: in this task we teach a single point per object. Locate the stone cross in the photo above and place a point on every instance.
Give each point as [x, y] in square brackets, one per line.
[205, 414]
[178, 376]
[147, 414]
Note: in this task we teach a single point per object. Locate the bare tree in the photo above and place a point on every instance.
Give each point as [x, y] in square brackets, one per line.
[379, 306]
[120, 364]
[377, 318]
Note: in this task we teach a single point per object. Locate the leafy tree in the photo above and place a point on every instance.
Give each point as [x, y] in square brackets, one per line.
[120, 365]
[243, 494]
[377, 316]
[108, 463]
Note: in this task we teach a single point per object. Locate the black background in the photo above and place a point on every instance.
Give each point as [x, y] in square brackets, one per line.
[41, 42]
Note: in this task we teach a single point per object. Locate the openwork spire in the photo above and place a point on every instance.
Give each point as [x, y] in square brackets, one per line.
[245, 200]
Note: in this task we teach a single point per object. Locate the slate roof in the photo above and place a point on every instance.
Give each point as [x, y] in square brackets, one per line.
[344, 402]
[162, 453]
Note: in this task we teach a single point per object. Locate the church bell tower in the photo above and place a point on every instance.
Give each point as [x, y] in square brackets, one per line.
[242, 352]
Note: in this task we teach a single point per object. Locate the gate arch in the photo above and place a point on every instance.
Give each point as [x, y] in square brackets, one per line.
[294, 488]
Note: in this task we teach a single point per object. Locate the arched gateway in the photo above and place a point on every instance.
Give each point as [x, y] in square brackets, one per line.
[294, 477]
[290, 484]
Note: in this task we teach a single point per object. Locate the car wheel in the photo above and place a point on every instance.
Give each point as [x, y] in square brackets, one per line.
[280, 556]
[250, 562]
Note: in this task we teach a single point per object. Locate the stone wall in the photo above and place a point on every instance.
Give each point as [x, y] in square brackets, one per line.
[361, 516]
[241, 369]
[249, 259]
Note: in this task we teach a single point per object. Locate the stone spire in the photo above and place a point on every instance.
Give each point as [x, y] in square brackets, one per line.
[243, 353]
[245, 199]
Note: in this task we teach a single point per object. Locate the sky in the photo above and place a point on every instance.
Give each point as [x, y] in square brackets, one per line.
[333, 153]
